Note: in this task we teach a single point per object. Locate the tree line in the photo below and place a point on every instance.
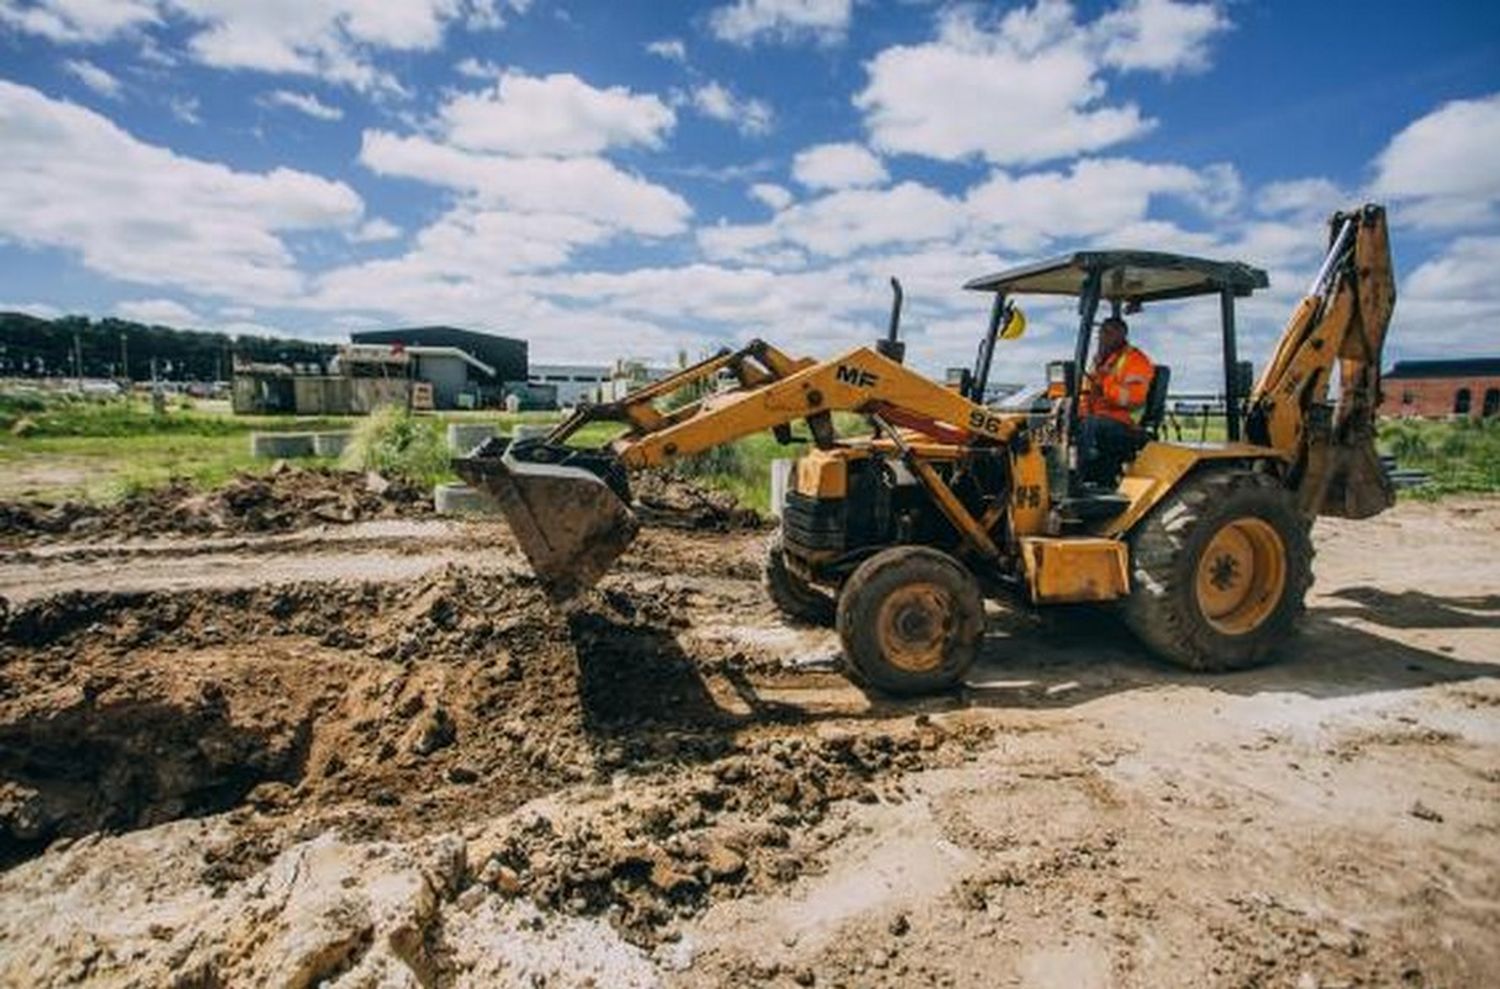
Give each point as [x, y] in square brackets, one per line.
[70, 346]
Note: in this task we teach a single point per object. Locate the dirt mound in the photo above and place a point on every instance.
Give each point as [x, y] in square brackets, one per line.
[663, 498]
[391, 711]
[422, 692]
[280, 500]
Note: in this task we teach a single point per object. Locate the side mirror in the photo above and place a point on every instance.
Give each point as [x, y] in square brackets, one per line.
[1013, 323]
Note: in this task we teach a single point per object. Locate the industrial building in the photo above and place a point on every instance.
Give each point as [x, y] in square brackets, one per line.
[506, 355]
[571, 383]
[1467, 387]
[423, 367]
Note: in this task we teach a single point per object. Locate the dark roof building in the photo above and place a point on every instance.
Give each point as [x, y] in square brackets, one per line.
[1468, 367]
[1432, 389]
[506, 355]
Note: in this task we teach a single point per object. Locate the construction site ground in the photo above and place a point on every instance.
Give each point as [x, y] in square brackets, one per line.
[365, 750]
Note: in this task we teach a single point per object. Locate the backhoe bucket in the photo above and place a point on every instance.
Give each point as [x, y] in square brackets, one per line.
[571, 524]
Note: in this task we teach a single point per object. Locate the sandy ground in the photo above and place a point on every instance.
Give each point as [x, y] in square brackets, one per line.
[371, 754]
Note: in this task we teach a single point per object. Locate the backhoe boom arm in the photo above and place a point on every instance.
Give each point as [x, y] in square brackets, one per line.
[1341, 324]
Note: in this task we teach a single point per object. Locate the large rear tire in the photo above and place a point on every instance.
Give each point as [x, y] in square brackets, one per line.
[794, 597]
[1220, 571]
[910, 619]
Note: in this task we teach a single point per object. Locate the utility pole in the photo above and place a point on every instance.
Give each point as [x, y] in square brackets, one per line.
[124, 360]
[77, 361]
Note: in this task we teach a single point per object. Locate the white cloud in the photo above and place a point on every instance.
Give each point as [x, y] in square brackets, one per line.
[751, 116]
[306, 103]
[586, 187]
[163, 312]
[1450, 304]
[71, 179]
[41, 310]
[838, 166]
[844, 222]
[332, 39]
[78, 21]
[475, 68]
[185, 109]
[746, 22]
[1036, 73]
[1035, 76]
[1159, 35]
[93, 77]
[1301, 197]
[554, 115]
[1094, 198]
[771, 194]
[671, 49]
[1442, 165]
[375, 230]
[336, 40]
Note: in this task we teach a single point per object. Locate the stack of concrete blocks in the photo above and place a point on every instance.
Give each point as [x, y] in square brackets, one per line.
[456, 497]
[286, 446]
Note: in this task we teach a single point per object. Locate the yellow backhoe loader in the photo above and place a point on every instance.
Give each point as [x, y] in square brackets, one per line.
[898, 537]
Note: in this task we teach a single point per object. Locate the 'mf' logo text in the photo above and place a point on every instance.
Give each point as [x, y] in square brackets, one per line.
[858, 377]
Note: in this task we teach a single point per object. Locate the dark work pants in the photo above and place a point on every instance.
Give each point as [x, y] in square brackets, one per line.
[1104, 444]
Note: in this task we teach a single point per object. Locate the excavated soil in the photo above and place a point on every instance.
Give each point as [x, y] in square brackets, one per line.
[392, 710]
[665, 499]
[280, 500]
[410, 769]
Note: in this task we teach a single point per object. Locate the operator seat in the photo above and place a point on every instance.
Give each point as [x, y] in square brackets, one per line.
[1155, 409]
[1095, 505]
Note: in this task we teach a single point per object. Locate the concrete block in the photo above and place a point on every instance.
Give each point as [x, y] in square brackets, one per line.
[330, 444]
[530, 431]
[281, 446]
[465, 436]
[455, 498]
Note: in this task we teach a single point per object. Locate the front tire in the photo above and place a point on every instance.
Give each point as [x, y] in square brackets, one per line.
[910, 619]
[1220, 571]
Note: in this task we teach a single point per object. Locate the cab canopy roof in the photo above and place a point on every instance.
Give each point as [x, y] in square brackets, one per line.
[1132, 276]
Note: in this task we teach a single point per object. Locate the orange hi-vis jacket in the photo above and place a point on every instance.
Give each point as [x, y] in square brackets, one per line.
[1120, 385]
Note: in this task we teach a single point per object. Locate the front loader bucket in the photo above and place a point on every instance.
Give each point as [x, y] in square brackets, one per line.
[571, 524]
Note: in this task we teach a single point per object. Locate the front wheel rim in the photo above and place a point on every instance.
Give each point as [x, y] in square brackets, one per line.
[1241, 576]
[915, 625]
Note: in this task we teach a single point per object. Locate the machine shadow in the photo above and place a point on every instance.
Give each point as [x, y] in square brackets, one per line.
[643, 696]
[641, 692]
[1418, 609]
[1072, 656]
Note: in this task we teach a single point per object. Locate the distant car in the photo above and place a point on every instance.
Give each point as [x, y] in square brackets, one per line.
[101, 387]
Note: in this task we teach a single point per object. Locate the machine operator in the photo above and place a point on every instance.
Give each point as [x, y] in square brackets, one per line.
[1111, 405]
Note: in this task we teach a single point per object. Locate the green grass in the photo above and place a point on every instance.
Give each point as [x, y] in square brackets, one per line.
[100, 449]
[1463, 456]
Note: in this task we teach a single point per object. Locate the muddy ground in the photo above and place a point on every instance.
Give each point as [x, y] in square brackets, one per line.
[371, 754]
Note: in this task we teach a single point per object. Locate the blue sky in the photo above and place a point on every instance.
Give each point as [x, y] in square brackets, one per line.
[613, 179]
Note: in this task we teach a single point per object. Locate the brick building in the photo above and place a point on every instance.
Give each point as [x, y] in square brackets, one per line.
[1435, 389]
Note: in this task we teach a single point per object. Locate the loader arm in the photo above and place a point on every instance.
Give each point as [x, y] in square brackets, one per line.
[1340, 325]
[569, 508]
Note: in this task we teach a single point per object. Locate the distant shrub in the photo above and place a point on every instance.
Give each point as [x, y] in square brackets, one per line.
[398, 444]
